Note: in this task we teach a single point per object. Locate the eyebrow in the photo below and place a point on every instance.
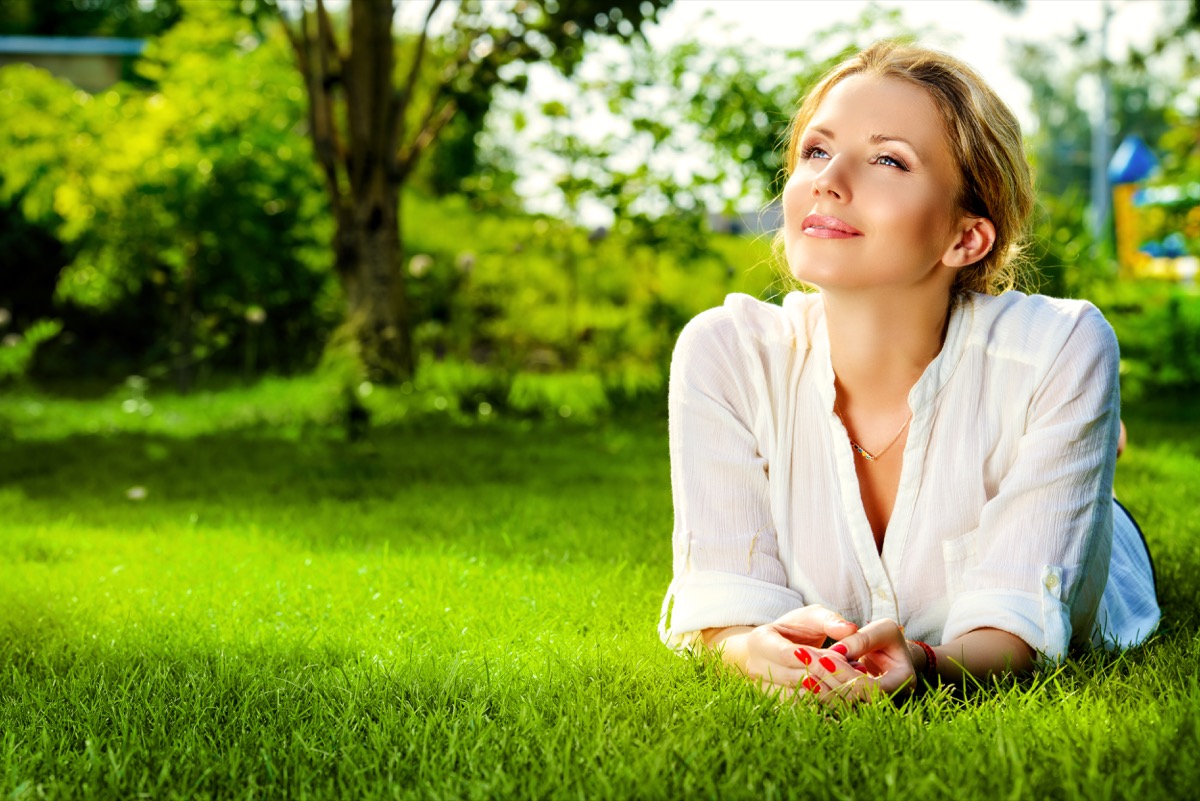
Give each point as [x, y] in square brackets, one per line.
[875, 138]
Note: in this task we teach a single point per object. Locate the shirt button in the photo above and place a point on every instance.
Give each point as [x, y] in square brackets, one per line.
[1051, 581]
[882, 594]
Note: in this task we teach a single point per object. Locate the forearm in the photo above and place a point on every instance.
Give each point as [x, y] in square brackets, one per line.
[730, 642]
[979, 654]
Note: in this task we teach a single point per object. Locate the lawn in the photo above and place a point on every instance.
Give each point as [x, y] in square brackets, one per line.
[219, 596]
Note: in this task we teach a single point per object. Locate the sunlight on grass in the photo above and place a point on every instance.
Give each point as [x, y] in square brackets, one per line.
[464, 611]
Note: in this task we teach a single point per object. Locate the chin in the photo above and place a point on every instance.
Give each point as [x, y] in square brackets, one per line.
[826, 276]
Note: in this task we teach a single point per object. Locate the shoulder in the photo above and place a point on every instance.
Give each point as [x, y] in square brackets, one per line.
[1037, 328]
[744, 351]
[746, 322]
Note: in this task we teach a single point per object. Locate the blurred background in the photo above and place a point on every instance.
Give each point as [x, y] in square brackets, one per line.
[493, 210]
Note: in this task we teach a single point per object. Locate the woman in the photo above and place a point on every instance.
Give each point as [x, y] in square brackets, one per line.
[911, 463]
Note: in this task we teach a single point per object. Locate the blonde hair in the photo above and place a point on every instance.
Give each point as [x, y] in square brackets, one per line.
[984, 137]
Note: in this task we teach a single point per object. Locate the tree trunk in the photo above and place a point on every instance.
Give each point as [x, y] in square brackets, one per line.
[368, 263]
[365, 158]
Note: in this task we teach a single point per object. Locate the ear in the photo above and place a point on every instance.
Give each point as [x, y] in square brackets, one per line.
[975, 240]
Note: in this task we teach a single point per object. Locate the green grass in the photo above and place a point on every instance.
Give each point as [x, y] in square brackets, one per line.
[467, 610]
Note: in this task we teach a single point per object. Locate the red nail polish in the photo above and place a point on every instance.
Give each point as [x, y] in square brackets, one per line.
[841, 649]
[803, 656]
[858, 666]
[827, 663]
[811, 685]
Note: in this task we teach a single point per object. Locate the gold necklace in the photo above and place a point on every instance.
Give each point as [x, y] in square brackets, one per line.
[859, 449]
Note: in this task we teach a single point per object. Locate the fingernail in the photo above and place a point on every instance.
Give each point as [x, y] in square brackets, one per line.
[858, 666]
[828, 664]
[803, 656]
[810, 684]
[841, 649]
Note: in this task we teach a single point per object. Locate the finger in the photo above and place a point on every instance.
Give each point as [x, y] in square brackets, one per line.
[813, 623]
[777, 648]
[819, 659]
[851, 686]
[873, 664]
[822, 664]
[835, 626]
[875, 636]
[899, 679]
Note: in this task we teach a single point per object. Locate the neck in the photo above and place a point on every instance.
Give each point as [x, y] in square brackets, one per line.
[880, 344]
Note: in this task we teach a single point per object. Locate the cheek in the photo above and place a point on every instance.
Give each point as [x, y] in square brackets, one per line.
[797, 199]
[922, 217]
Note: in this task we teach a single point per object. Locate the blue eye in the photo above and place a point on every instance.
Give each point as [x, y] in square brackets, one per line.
[889, 161]
[813, 152]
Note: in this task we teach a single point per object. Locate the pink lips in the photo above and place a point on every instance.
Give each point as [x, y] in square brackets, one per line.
[822, 227]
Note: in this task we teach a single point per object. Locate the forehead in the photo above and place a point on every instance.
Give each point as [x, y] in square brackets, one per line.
[869, 105]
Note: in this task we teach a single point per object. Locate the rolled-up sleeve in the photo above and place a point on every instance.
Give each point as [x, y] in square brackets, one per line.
[1042, 549]
[727, 569]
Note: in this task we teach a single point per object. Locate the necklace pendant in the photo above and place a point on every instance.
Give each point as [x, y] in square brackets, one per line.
[862, 451]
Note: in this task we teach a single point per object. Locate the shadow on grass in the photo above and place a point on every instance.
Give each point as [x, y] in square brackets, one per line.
[241, 466]
[502, 488]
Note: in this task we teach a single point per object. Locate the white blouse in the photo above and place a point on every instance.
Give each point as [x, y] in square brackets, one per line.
[1004, 515]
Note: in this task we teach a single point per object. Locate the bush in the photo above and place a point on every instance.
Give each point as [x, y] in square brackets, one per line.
[1158, 327]
[529, 296]
[16, 350]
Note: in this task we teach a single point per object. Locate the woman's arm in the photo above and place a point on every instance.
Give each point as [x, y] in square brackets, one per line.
[727, 568]
[1042, 547]
[893, 663]
[979, 653]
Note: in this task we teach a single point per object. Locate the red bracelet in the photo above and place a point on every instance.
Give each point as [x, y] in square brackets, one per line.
[929, 672]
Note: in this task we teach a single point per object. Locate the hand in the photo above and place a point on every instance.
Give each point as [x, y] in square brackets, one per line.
[767, 653]
[873, 661]
[881, 647]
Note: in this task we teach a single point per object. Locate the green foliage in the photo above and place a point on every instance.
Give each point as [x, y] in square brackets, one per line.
[1061, 143]
[1158, 327]
[506, 38]
[197, 197]
[120, 18]
[16, 350]
[1180, 168]
[535, 295]
[1157, 324]
[581, 395]
[1062, 253]
[694, 129]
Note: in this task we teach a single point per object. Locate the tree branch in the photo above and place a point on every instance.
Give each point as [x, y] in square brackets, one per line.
[322, 131]
[419, 54]
[329, 45]
[430, 127]
[396, 122]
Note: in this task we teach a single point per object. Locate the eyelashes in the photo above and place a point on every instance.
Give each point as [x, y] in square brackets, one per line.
[811, 151]
[895, 161]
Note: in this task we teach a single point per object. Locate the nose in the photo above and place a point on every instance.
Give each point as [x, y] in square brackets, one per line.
[831, 181]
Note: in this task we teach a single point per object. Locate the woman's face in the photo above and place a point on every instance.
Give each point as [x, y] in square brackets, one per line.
[871, 201]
